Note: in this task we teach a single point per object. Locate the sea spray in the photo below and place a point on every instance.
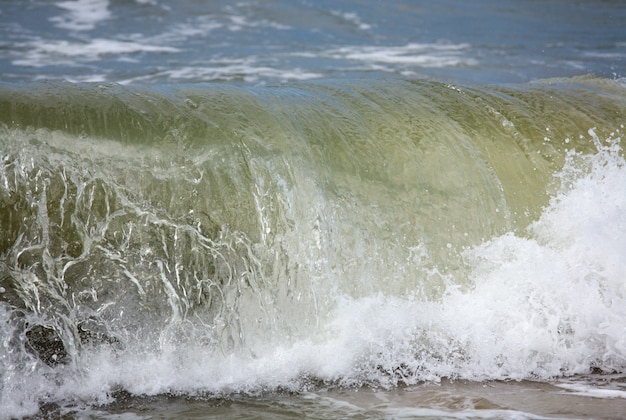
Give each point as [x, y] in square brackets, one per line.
[210, 240]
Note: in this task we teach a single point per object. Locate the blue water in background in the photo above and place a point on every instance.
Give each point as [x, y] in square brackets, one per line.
[276, 41]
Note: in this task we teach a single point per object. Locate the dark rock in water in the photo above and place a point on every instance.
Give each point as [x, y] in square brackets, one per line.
[93, 332]
[51, 410]
[45, 343]
[594, 370]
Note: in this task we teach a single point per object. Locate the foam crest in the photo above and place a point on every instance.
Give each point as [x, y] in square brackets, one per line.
[553, 302]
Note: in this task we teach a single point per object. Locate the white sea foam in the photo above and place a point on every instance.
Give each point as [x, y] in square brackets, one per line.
[247, 69]
[352, 18]
[414, 54]
[41, 53]
[239, 22]
[591, 391]
[82, 15]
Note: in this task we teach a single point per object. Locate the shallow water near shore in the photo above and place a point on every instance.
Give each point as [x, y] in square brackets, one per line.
[594, 396]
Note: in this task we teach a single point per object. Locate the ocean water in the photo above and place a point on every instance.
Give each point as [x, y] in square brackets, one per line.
[272, 209]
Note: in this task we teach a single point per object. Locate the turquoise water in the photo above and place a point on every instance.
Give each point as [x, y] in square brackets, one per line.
[277, 209]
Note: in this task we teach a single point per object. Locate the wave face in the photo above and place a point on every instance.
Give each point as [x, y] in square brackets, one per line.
[210, 239]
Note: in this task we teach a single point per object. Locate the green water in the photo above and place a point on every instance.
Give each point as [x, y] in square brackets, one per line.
[156, 227]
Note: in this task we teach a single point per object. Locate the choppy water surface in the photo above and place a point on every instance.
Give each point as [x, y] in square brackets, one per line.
[150, 41]
[278, 209]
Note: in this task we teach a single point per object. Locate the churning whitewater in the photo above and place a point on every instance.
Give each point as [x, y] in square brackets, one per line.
[206, 240]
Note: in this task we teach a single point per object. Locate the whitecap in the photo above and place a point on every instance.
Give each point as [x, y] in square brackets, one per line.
[432, 55]
[81, 15]
[41, 52]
